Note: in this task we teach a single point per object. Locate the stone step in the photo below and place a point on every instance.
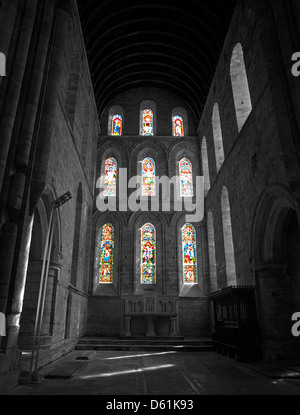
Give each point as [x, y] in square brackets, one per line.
[141, 342]
[144, 347]
[145, 344]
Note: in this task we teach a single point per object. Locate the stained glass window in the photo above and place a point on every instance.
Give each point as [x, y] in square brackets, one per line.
[148, 175]
[148, 122]
[148, 260]
[189, 254]
[117, 125]
[186, 178]
[178, 130]
[110, 181]
[107, 254]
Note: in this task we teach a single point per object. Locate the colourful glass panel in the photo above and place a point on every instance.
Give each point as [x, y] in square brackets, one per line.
[110, 181]
[107, 254]
[147, 122]
[189, 254]
[148, 260]
[186, 178]
[117, 125]
[178, 126]
[148, 175]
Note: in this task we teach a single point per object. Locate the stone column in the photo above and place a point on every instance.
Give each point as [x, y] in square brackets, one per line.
[49, 106]
[14, 88]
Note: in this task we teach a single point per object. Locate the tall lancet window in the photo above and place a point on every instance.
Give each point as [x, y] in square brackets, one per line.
[148, 119]
[189, 252]
[110, 178]
[186, 178]
[117, 124]
[148, 175]
[178, 130]
[107, 254]
[148, 254]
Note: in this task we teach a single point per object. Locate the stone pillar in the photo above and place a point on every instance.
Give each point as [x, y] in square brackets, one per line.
[49, 106]
[271, 32]
[8, 17]
[15, 86]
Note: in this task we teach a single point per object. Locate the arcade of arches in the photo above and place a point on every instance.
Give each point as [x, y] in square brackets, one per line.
[71, 120]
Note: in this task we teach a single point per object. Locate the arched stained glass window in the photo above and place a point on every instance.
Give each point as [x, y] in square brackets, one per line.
[186, 178]
[148, 174]
[148, 117]
[117, 121]
[178, 130]
[107, 254]
[189, 253]
[110, 180]
[148, 254]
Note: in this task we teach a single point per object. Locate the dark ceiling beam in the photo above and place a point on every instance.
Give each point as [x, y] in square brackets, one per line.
[187, 46]
[156, 24]
[194, 64]
[156, 67]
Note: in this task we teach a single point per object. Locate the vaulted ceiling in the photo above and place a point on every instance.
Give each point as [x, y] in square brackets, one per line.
[174, 45]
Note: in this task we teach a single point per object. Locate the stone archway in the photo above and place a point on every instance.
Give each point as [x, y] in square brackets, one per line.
[276, 250]
[35, 264]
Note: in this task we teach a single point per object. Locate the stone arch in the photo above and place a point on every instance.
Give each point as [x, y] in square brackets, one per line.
[205, 166]
[144, 150]
[77, 236]
[212, 252]
[41, 222]
[240, 86]
[218, 137]
[228, 238]
[276, 263]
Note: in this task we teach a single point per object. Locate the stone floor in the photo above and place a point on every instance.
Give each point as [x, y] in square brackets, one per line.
[157, 374]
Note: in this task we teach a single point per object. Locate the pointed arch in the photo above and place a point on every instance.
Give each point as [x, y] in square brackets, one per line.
[205, 166]
[218, 137]
[189, 254]
[212, 252]
[240, 86]
[148, 254]
[186, 178]
[148, 177]
[228, 238]
[110, 178]
[107, 254]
